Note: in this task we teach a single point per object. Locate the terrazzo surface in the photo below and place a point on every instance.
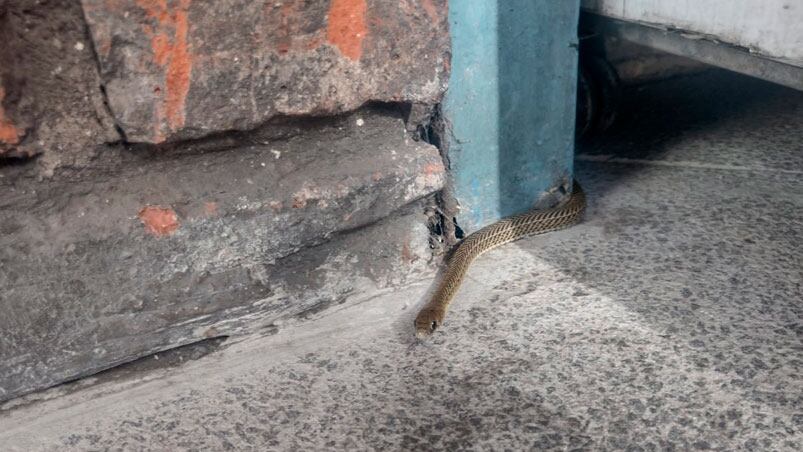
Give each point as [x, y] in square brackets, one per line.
[670, 319]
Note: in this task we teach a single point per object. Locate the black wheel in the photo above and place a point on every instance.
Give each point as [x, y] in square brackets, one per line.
[586, 113]
[609, 91]
[598, 95]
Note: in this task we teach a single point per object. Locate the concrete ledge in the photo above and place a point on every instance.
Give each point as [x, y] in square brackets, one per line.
[100, 270]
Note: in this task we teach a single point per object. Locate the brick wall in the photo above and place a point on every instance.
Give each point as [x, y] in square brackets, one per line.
[174, 170]
[76, 75]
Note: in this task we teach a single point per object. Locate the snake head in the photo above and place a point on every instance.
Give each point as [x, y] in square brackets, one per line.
[427, 321]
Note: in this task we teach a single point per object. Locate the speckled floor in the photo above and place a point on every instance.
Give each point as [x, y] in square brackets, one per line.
[671, 319]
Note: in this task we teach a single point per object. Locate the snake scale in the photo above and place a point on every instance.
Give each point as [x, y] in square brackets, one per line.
[503, 231]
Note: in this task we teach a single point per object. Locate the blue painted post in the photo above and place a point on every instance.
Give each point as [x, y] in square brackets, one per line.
[510, 109]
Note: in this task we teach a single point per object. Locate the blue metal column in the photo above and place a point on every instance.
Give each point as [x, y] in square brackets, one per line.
[510, 109]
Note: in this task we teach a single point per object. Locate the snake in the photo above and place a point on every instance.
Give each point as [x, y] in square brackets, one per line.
[506, 230]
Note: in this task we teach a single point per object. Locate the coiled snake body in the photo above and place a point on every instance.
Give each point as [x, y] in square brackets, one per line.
[504, 231]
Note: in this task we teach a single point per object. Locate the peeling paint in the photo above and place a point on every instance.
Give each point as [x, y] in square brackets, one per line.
[286, 30]
[174, 57]
[434, 168]
[159, 221]
[308, 193]
[347, 26]
[431, 10]
[407, 254]
[290, 36]
[9, 134]
[211, 209]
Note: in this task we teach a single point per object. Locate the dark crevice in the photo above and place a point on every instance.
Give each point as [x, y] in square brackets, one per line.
[433, 131]
[6, 161]
[399, 211]
[165, 359]
[430, 131]
[129, 370]
[278, 128]
[102, 87]
[458, 231]
[117, 127]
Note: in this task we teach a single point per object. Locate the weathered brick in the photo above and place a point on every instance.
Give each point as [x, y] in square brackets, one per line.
[51, 103]
[178, 69]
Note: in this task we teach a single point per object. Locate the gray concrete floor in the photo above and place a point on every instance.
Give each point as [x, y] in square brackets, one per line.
[670, 319]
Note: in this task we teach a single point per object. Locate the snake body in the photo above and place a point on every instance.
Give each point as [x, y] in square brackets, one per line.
[503, 231]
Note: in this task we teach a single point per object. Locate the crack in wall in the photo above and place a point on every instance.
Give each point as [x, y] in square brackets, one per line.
[433, 131]
[102, 86]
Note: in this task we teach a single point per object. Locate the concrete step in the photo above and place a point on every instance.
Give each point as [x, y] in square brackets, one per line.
[166, 248]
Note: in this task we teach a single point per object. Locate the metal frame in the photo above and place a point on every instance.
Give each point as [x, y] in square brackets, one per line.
[702, 48]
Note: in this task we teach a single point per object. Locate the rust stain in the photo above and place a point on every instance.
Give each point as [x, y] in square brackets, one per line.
[161, 49]
[210, 208]
[347, 28]
[433, 168]
[171, 52]
[283, 47]
[314, 42]
[306, 194]
[289, 35]
[9, 133]
[159, 221]
[286, 27]
[406, 253]
[299, 203]
[431, 10]
[179, 70]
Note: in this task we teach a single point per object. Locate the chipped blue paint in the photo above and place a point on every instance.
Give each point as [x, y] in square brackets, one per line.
[510, 105]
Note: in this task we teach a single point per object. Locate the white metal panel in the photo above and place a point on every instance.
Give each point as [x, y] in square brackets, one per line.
[772, 28]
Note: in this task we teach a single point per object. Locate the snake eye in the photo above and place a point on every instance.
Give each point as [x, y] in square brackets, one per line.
[434, 325]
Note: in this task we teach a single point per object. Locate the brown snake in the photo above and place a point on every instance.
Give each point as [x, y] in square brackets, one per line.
[503, 231]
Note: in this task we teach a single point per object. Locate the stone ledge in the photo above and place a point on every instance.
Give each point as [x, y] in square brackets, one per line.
[98, 271]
